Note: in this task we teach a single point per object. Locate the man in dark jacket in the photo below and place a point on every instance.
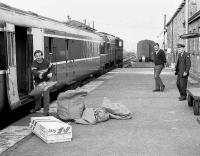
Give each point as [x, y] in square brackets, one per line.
[159, 61]
[42, 72]
[182, 71]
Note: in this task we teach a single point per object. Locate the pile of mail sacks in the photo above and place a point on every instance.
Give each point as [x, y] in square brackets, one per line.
[71, 107]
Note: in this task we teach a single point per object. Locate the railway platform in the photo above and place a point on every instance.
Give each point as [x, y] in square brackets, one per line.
[161, 125]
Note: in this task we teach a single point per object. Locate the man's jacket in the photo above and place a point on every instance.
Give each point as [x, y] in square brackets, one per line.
[159, 58]
[183, 64]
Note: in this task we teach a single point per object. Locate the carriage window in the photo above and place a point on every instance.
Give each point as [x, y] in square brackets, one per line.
[60, 49]
[2, 52]
[50, 46]
[75, 49]
[198, 43]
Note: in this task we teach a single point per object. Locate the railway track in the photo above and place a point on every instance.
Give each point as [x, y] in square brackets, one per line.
[128, 59]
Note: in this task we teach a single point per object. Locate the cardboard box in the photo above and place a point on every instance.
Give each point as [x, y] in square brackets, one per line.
[51, 129]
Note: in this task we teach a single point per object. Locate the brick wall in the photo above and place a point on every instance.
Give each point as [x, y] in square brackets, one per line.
[194, 47]
[176, 28]
[192, 7]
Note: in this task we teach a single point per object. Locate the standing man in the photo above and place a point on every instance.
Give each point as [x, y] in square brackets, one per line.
[182, 71]
[42, 72]
[159, 61]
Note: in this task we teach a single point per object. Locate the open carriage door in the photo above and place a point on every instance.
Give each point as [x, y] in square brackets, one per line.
[29, 58]
[11, 72]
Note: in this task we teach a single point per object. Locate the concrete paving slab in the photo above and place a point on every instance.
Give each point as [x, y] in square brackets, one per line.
[11, 135]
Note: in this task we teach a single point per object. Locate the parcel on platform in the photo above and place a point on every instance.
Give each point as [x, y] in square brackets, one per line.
[51, 129]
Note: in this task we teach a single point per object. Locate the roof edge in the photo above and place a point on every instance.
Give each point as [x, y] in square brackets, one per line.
[177, 11]
[194, 17]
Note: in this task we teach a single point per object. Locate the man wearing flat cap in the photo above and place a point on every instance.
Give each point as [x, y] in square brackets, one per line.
[182, 70]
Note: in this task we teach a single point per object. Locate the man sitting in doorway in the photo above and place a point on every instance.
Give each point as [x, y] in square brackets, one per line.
[42, 72]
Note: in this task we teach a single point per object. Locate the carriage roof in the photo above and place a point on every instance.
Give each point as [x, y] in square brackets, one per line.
[30, 19]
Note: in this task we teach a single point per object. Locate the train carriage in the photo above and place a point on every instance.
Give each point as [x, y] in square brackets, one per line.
[145, 50]
[73, 51]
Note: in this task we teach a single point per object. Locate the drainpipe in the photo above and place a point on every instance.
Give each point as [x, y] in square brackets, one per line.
[186, 22]
[172, 42]
[164, 32]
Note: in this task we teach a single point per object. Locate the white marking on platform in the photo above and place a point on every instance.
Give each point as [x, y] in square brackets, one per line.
[11, 135]
[173, 128]
[171, 112]
[132, 72]
[175, 120]
[142, 71]
[105, 77]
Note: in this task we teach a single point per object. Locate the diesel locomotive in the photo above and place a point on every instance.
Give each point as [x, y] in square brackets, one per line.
[76, 52]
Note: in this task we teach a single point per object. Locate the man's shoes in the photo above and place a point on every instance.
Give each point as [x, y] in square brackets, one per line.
[182, 98]
[156, 90]
[162, 88]
[34, 110]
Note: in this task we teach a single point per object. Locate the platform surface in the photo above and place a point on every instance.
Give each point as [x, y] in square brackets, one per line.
[161, 124]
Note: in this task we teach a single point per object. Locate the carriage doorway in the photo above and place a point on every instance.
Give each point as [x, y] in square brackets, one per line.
[24, 57]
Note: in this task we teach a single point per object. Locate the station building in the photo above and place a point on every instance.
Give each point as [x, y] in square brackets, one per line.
[176, 33]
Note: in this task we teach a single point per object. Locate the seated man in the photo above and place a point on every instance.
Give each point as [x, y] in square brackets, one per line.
[42, 72]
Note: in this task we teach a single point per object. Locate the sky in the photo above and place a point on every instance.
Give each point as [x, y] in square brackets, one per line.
[131, 20]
